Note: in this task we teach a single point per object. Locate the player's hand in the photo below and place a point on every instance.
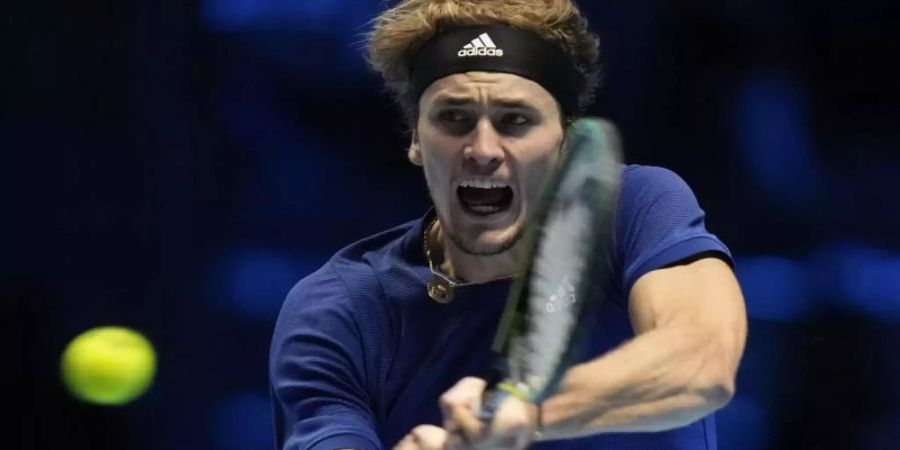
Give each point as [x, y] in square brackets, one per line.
[423, 437]
[512, 427]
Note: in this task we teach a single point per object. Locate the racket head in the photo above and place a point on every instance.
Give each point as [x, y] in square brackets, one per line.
[566, 265]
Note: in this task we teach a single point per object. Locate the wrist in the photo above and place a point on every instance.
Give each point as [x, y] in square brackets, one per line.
[537, 428]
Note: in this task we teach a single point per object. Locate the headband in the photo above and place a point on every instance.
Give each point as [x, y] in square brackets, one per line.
[498, 48]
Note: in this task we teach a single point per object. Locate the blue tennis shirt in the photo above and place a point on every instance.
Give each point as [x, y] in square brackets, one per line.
[360, 354]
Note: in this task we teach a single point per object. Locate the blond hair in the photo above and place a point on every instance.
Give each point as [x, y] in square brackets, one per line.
[399, 33]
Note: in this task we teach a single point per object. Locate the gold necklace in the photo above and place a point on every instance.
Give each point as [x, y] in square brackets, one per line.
[442, 287]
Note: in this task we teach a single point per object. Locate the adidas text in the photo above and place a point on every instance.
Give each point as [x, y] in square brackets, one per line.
[480, 52]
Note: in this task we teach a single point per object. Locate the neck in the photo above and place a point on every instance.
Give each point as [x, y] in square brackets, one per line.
[453, 261]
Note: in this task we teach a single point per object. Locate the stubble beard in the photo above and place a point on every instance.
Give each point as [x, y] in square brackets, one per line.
[475, 249]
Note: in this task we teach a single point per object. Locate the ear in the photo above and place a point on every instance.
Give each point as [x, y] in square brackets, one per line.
[415, 152]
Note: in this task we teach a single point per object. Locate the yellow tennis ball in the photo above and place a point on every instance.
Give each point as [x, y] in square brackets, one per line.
[108, 365]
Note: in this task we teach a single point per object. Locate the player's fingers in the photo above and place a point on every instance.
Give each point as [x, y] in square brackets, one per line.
[516, 439]
[513, 415]
[423, 437]
[429, 437]
[459, 406]
[405, 444]
[467, 391]
[455, 441]
[512, 427]
[463, 421]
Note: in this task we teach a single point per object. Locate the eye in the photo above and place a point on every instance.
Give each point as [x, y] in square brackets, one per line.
[453, 116]
[455, 121]
[515, 119]
[514, 123]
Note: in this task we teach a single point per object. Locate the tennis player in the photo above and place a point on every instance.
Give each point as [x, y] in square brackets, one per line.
[382, 347]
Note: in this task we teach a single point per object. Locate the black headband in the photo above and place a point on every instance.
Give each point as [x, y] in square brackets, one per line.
[498, 48]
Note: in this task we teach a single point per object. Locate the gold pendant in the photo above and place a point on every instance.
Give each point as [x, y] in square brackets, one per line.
[440, 291]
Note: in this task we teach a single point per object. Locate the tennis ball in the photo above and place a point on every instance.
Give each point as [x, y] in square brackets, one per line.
[108, 365]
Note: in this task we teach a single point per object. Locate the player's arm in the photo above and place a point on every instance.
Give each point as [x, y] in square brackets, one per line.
[317, 371]
[690, 326]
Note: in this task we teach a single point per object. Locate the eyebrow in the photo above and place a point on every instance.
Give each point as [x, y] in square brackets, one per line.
[512, 103]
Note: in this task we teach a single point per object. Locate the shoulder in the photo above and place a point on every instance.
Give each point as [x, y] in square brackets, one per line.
[388, 243]
[646, 182]
[659, 222]
[352, 275]
[652, 194]
[640, 172]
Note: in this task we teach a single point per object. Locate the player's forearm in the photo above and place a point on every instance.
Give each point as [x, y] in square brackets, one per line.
[662, 379]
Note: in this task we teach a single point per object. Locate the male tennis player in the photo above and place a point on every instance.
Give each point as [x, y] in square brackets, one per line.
[382, 346]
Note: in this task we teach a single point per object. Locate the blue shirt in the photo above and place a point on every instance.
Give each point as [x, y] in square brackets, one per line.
[360, 354]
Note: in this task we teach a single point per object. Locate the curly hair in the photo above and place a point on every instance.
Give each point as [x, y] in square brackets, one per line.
[399, 33]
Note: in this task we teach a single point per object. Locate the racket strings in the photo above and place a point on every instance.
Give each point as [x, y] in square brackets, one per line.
[560, 262]
[567, 265]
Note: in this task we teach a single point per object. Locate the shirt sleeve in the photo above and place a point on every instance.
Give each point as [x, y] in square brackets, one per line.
[660, 223]
[317, 370]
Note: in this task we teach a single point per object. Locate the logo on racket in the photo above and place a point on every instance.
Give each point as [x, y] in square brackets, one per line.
[562, 298]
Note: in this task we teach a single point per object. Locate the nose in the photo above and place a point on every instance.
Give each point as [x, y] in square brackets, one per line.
[484, 151]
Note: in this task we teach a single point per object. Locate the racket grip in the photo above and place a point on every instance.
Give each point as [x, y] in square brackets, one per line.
[490, 403]
[493, 397]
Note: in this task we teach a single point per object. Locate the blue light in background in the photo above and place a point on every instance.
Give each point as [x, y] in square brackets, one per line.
[872, 285]
[229, 15]
[292, 172]
[337, 17]
[743, 413]
[243, 422]
[775, 288]
[774, 141]
[859, 277]
[316, 41]
[252, 283]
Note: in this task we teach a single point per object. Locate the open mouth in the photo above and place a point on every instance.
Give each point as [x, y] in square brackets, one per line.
[484, 197]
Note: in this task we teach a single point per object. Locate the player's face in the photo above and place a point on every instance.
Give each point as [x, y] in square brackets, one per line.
[487, 142]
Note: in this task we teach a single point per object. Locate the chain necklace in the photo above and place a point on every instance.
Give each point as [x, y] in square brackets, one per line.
[442, 287]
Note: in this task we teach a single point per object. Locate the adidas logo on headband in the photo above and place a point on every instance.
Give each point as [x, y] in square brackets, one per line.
[483, 45]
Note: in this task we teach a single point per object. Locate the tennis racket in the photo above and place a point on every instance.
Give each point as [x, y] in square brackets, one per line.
[564, 272]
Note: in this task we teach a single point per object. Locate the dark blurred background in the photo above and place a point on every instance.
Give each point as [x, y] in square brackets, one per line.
[176, 166]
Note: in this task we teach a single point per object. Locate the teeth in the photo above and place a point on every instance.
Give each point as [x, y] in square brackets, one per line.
[485, 209]
[482, 183]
